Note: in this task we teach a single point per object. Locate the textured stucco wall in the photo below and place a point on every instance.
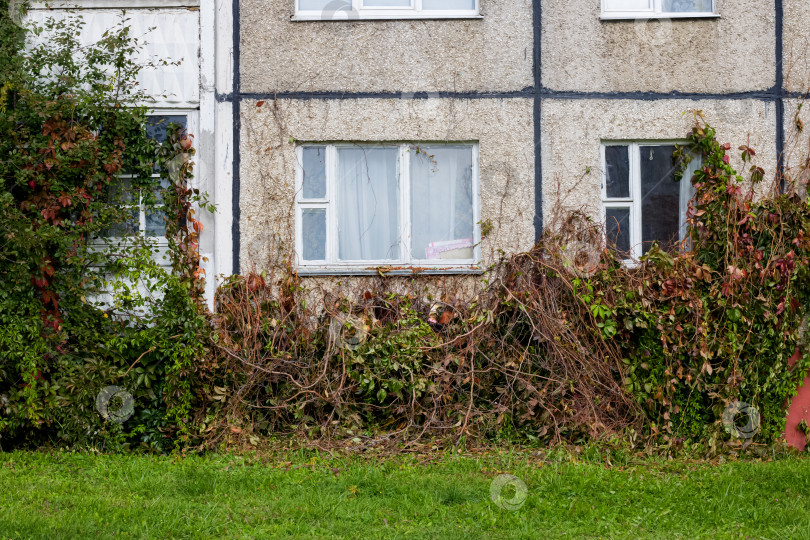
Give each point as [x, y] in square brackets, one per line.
[573, 132]
[732, 53]
[493, 53]
[503, 129]
[796, 45]
[797, 143]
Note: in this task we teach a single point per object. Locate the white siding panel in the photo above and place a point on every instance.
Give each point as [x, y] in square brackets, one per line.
[172, 35]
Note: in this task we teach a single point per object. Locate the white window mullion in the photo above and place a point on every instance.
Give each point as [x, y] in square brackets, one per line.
[299, 190]
[299, 234]
[405, 202]
[331, 210]
[141, 214]
[635, 192]
[476, 204]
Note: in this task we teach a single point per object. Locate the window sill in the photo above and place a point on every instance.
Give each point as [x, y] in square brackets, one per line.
[471, 269]
[656, 16]
[339, 17]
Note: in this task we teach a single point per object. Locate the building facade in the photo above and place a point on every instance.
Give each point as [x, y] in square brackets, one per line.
[354, 137]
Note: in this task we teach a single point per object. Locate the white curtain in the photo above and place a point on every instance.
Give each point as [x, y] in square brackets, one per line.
[441, 197]
[628, 5]
[368, 204]
[687, 192]
[687, 6]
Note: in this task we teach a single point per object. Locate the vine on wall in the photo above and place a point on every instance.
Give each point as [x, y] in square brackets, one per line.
[548, 350]
[85, 301]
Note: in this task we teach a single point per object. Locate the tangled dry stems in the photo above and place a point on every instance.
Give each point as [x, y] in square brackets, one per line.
[510, 359]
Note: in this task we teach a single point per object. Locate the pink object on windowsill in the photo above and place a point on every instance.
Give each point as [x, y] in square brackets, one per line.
[435, 249]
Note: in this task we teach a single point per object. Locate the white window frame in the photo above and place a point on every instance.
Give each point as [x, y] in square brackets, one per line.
[159, 242]
[655, 11]
[633, 202]
[405, 264]
[360, 12]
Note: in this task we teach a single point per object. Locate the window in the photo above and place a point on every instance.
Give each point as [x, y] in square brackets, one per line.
[656, 9]
[641, 201]
[361, 206]
[146, 221]
[328, 10]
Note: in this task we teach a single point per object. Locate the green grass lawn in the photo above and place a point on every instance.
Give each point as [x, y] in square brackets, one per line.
[65, 495]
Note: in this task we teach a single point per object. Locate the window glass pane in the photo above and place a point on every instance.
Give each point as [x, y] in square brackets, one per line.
[121, 195]
[687, 192]
[368, 204]
[314, 164]
[617, 228]
[687, 6]
[386, 3]
[324, 5]
[617, 172]
[627, 5]
[155, 222]
[156, 126]
[448, 4]
[441, 202]
[313, 228]
[660, 197]
[129, 227]
[155, 216]
[165, 183]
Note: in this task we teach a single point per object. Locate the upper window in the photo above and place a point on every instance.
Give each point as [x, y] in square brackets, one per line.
[341, 10]
[361, 206]
[641, 201]
[143, 220]
[656, 9]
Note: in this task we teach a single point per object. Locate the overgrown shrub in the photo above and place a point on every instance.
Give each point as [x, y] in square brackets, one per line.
[546, 351]
[84, 303]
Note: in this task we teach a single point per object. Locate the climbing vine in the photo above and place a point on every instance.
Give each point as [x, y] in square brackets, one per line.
[554, 346]
[86, 301]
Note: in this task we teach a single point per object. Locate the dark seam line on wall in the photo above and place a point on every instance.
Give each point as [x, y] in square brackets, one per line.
[543, 93]
[237, 154]
[537, 93]
[779, 91]
[655, 96]
[537, 114]
[338, 95]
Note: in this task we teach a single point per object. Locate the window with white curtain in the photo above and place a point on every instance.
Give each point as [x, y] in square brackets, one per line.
[640, 9]
[641, 201]
[361, 206]
[384, 9]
